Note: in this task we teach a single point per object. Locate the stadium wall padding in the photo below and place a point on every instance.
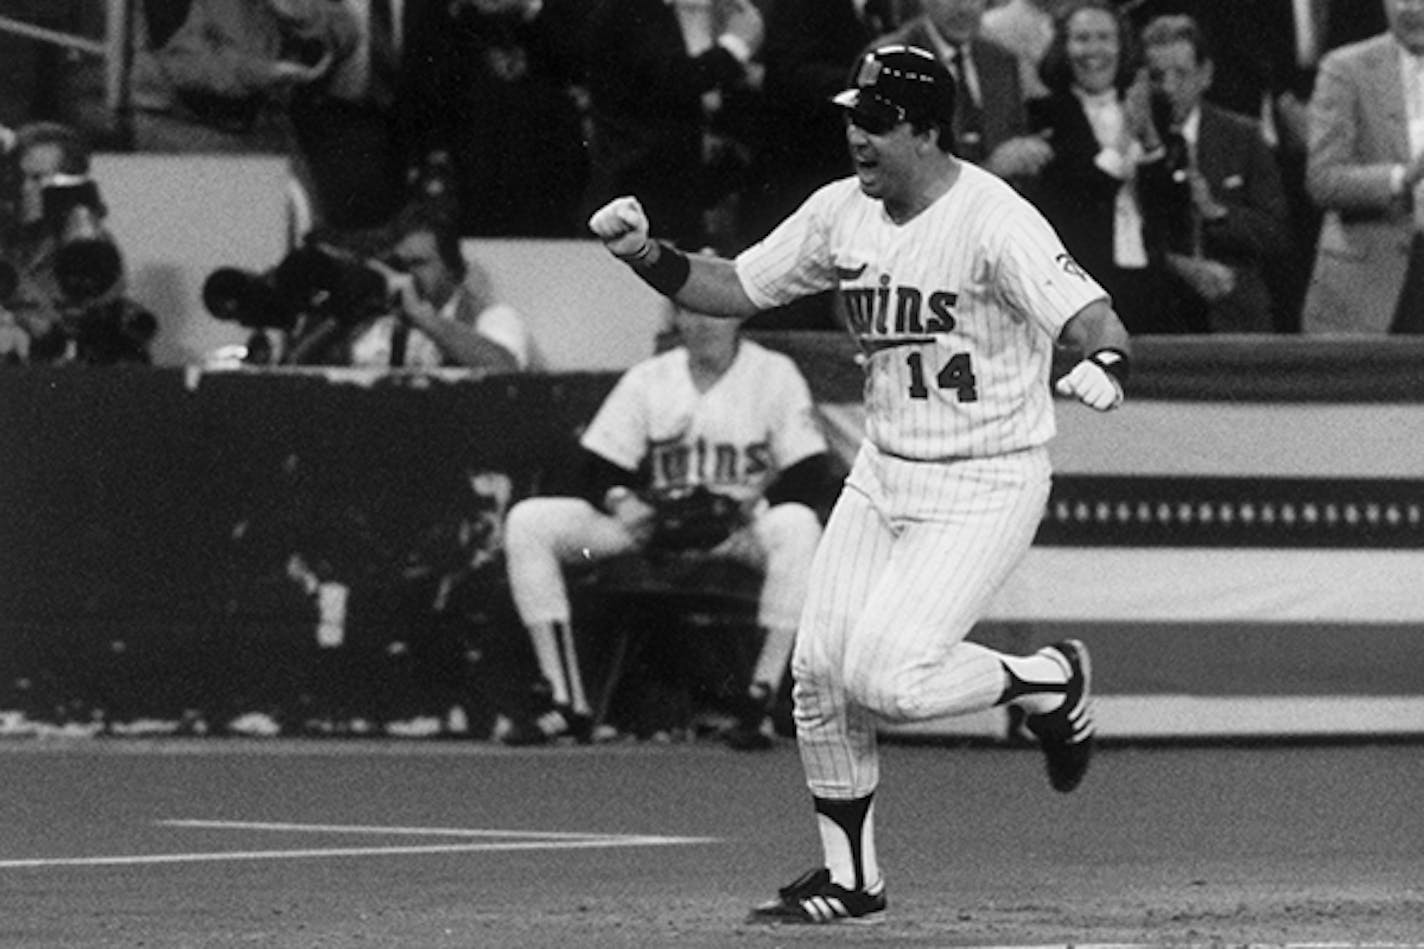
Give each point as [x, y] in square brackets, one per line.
[1241, 545]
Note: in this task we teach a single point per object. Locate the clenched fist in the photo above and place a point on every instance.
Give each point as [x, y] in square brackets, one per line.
[622, 225]
[1091, 383]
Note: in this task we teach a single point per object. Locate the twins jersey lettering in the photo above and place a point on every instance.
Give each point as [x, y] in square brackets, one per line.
[755, 421]
[958, 334]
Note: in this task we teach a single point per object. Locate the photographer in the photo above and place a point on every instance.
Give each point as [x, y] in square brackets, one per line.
[64, 273]
[444, 313]
[418, 305]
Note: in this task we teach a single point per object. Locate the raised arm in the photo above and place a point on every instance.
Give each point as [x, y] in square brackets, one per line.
[699, 282]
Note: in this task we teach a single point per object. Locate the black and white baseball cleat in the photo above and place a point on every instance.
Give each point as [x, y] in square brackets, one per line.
[1066, 733]
[812, 899]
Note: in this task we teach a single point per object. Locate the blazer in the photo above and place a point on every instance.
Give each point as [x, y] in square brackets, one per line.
[1238, 164]
[1079, 198]
[1252, 237]
[1358, 132]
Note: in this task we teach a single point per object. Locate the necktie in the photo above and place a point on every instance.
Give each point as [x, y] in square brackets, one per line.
[1186, 229]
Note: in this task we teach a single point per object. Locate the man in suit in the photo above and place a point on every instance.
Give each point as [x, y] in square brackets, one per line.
[990, 124]
[1229, 224]
[1365, 167]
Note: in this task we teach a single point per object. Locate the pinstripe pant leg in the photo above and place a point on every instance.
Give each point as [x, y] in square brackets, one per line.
[906, 657]
[837, 738]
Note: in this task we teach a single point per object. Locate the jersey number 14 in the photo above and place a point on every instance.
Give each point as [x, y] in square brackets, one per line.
[957, 374]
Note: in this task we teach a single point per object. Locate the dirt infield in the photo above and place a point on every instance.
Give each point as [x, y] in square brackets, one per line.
[426, 844]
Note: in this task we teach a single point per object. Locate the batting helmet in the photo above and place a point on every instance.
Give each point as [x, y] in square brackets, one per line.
[899, 83]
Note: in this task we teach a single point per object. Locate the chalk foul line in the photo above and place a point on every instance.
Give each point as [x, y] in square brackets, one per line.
[473, 840]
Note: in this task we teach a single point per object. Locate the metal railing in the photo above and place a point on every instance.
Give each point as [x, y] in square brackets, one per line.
[115, 48]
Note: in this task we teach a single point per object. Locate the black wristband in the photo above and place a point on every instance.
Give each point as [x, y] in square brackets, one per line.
[1112, 361]
[668, 273]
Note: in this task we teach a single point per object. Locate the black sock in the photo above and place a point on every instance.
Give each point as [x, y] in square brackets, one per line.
[849, 816]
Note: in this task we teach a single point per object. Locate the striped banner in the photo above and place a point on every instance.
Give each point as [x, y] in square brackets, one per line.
[1241, 545]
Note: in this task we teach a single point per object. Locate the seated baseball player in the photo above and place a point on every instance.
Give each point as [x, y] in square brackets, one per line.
[717, 419]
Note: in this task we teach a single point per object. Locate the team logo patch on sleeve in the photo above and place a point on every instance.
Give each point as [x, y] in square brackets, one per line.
[1071, 267]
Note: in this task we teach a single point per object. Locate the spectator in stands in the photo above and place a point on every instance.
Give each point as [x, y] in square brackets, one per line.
[347, 126]
[659, 78]
[1366, 170]
[1264, 54]
[446, 313]
[1024, 28]
[64, 283]
[718, 413]
[224, 78]
[498, 87]
[1106, 190]
[311, 80]
[989, 118]
[1229, 224]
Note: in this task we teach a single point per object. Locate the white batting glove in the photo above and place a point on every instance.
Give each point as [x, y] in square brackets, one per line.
[1093, 382]
[622, 225]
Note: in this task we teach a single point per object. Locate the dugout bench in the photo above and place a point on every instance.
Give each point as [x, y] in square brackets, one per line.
[683, 628]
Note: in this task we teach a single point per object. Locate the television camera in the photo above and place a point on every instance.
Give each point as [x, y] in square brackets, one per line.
[316, 295]
[94, 322]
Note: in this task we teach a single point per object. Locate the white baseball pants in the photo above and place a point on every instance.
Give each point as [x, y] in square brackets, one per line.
[911, 557]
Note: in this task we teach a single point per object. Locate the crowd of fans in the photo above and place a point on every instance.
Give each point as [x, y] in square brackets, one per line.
[1173, 144]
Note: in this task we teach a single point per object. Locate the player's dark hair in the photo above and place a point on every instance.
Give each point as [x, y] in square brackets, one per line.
[1057, 72]
[945, 137]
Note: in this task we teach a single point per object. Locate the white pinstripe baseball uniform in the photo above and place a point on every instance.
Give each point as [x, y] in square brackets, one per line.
[753, 422]
[957, 311]
[756, 420]
[957, 291]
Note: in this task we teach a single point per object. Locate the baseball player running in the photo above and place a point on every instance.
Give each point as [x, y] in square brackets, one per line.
[957, 291]
[717, 417]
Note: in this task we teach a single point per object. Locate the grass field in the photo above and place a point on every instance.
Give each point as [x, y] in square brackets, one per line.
[416, 844]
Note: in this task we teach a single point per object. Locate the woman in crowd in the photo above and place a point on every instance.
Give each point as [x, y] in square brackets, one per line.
[1106, 189]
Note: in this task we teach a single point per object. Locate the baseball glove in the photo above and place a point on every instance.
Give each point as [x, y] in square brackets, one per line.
[698, 520]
